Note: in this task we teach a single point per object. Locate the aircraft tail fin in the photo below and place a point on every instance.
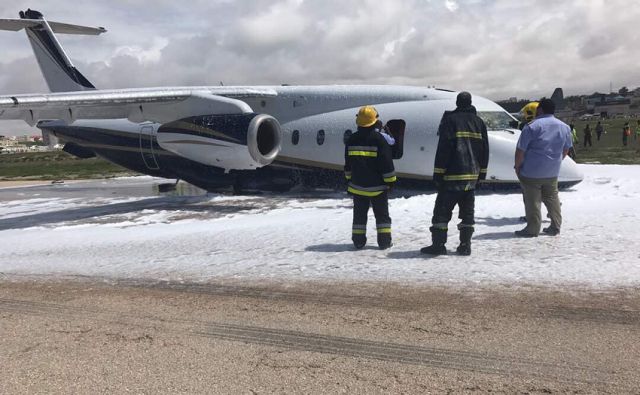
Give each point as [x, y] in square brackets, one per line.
[558, 98]
[59, 73]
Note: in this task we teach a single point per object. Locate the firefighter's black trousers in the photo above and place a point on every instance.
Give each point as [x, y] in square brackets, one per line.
[380, 206]
[445, 202]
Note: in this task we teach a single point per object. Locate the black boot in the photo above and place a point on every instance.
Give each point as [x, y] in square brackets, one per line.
[359, 240]
[434, 249]
[439, 239]
[384, 240]
[465, 240]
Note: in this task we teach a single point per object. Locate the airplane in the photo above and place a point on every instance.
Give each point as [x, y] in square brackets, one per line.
[270, 138]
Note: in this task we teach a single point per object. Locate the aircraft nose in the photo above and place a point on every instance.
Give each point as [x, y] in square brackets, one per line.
[570, 172]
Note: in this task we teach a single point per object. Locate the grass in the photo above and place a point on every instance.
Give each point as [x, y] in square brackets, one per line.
[609, 150]
[56, 165]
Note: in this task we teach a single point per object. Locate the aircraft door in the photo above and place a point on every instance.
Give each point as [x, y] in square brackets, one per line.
[149, 158]
[396, 129]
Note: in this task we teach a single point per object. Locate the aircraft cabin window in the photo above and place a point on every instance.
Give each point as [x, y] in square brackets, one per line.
[496, 120]
[295, 137]
[320, 137]
[347, 134]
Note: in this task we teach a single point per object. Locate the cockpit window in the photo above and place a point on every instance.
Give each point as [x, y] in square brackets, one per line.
[496, 120]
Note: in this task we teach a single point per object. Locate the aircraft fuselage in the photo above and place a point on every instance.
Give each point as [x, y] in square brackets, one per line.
[315, 122]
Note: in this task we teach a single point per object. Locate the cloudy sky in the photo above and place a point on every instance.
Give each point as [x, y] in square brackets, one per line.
[494, 48]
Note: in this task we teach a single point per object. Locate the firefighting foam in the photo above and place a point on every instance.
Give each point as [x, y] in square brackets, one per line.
[131, 232]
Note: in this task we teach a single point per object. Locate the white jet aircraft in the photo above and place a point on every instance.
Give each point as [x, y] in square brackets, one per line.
[245, 137]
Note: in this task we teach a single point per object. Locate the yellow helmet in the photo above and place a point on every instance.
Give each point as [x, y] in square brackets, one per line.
[367, 116]
[529, 111]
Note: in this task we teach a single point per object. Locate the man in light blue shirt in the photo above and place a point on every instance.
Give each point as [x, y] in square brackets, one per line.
[542, 146]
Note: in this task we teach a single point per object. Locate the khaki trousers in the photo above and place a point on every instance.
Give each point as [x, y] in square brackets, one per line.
[536, 191]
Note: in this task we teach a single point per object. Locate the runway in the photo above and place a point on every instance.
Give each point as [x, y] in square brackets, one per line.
[61, 337]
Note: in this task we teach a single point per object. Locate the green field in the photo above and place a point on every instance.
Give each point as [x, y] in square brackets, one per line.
[54, 166]
[609, 150]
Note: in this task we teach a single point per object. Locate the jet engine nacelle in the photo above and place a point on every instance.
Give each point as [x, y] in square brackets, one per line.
[231, 142]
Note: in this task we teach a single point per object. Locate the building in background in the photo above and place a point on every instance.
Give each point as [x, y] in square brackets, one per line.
[624, 103]
[23, 144]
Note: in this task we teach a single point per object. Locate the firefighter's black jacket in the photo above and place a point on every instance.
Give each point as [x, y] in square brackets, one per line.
[368, 164]
[463, 150]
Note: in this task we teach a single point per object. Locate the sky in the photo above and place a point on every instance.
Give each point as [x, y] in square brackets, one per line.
[493, 48]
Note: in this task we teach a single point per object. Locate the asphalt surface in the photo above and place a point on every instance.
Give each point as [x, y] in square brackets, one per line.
[92, 335]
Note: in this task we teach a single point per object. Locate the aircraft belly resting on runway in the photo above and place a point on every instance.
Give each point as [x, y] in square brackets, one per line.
[248, 137]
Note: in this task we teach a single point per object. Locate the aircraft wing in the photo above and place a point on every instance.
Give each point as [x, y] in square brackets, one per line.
[153, 104]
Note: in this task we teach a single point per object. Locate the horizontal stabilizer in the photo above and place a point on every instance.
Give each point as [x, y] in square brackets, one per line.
[57, 68]
[57, 27]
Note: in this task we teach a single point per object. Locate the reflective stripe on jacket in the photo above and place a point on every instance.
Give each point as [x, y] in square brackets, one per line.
[462, 156]
[368, 163]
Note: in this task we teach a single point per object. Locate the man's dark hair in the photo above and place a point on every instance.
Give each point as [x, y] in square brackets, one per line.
[463, 99]
[548, 106]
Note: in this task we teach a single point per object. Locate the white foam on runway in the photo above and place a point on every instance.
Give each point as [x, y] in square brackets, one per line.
[293, 238]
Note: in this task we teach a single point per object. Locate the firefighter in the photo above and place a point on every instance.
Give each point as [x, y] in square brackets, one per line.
[368, 167]
[461, 162]
[528, 113]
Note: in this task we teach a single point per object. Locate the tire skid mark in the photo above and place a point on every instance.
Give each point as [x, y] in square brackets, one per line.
[266, 294]
[608, 316]
[595, 315]
[311, 342]
[393, 352]
[573, 314]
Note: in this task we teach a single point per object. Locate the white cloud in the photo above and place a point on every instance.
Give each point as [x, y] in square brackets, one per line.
[390, 47]
[493, 48]
[451, 5]
[279, 25]
[143, 55]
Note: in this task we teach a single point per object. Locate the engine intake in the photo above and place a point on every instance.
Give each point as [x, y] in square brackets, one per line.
[232, 142]
[264, 139]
